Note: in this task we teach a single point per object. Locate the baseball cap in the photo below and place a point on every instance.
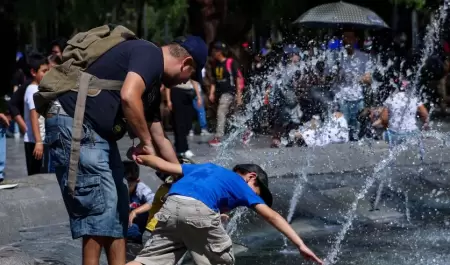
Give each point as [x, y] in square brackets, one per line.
[197, 48]
[219, 45]
[261, 177]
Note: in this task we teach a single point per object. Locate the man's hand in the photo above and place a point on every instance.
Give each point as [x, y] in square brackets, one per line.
[169, 105]
[140, 149]
[199, 102]
[131, 218]
[4, 120]
[308, 254]
[212, 98]
[38, 151]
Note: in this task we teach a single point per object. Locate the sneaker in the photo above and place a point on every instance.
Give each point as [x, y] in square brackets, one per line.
[8, 186]
[191, 133]
[214, 142]
[205, 132]
[188, 154]
[247, 137]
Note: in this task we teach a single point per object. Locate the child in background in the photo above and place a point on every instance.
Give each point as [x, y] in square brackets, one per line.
[141, 197]
[35, 127]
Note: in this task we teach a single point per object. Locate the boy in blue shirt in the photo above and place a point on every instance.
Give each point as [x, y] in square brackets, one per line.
[190, 216]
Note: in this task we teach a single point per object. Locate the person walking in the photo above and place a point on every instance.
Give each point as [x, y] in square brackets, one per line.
[179, 102]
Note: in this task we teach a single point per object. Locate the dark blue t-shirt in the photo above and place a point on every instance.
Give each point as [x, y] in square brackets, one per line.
[103, 111]
[220, 189]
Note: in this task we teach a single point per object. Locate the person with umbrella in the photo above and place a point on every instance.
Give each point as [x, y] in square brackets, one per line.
[353, 76]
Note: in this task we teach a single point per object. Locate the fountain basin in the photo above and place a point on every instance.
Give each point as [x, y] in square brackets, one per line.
[33, 218]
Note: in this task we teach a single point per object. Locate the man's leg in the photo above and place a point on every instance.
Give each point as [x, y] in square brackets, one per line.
[357, 108]
[2, 151]
[29, 157]
[96, 209]
[115, 248]
[201, 114]
[222, 111]
[92, 248]
[115, 251]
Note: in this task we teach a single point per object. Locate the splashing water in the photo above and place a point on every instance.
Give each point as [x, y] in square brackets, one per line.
[237, 216]
[407, 212]
[298, 191]
[332, 256]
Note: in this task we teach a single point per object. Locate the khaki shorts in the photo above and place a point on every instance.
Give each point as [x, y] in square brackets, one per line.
[185, 224]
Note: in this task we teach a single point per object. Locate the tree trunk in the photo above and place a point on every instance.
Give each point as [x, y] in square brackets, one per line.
[140, 17]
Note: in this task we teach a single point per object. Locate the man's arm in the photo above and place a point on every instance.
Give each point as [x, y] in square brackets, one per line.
[168, 98]
[133, 107]
[162, 145]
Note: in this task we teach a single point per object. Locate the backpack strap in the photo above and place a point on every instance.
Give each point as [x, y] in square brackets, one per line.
[229, 63]
[229, 66]
[86, 81]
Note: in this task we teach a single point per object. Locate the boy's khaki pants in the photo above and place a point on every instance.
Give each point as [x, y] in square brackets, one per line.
[185, 224]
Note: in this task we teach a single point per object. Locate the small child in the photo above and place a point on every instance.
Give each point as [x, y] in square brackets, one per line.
[35, 123]
[141, 197]
[190, 220]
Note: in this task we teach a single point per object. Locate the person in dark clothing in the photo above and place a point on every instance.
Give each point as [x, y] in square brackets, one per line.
[179, 100]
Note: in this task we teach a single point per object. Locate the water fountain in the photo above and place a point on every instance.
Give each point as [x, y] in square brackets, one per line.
[367, 244]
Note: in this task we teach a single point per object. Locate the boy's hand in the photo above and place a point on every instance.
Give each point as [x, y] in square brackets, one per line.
[131, 218]
[140, 149]
[38, 151]
[224, 218]
[308, 254]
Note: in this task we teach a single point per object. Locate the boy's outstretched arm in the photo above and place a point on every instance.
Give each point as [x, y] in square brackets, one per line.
[159, 164]
[283, 226]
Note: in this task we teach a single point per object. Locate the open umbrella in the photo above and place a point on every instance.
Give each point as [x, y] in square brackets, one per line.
[341, 14]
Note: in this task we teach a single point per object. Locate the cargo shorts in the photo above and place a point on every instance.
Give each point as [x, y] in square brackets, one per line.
[100, 205]
[185, 224]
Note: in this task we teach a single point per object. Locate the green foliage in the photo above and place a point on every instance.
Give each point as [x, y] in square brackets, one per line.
[416, 4]
[78, 15]
[172, 12]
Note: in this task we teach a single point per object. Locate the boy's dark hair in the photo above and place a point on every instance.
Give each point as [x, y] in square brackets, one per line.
[131, 170]
[60, 42]
[262, 178]
[35, 60]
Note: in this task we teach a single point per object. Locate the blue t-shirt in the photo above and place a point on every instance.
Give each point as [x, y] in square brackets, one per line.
[218, 188]
[102, 111]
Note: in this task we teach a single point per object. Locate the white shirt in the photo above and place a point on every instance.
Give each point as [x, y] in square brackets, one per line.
[334, 131]
[28, 106]
[402, 116]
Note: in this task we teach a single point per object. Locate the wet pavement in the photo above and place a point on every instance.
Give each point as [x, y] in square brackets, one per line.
[33, 221]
